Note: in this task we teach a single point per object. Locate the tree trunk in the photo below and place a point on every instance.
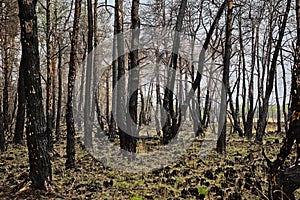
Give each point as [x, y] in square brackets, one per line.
[170, 128]
[70, 162]
[59, 98]
[201, 58]
[120, 112]
[133, 79]
[39, 158]
[221, 143]
[49, 79]
[88, 112]
[2, 136]
[284, 94]
[19, 130]
[263, 112]
[5, 64]
[277, 105]
[288, 179]
[112, 126]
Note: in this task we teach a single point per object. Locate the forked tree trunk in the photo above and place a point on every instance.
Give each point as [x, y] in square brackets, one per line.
[250, 115]
[70, 162]
[170, 128]
[201, 58]
[263, 112]
[39, 158]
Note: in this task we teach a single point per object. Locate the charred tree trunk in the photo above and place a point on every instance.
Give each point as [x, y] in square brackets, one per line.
[70, 162]
[88, 109]
[59, 98]
[49, 79]
[284, 94]
[170, 128]
[277, 105]
[263, 112]
[120, 112]
[39, 158]
[20, 121]
[5, 73]
[221, 143]
[201, 58]
[287, 180]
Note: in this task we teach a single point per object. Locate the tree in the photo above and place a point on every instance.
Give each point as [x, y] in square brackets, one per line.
[49, 113]
[221, 143]
[263, 111]
[288, 179]
[2, 136]
[133, 79]
[70, 162]
[170, 128]
[121, 72]
[89, 97]
[39, 158]
[19, 129]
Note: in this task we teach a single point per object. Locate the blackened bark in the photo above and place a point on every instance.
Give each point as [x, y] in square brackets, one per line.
[49, 117]
[39, 158]
[5, 73]
[284, 94]
[88, 109]
[133, 79]
[277, 105]
[59, 98]
[170, 128]
[263, 112]
[201, 58]
[251, 111]
[20, 121]
[70, 162]
[125, 138]
[112, 125]
[221, 143]
[289, 178]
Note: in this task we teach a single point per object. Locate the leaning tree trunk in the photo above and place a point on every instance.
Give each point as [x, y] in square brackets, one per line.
[70, 162]
[39, 159]
[201, 58]
[263, 112]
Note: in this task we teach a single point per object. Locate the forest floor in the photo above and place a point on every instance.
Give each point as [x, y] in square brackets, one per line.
[241, 174]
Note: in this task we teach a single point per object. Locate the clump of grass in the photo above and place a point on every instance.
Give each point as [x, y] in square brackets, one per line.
[202, 190]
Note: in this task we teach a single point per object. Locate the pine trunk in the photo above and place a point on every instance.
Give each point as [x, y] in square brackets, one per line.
[39, 158]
